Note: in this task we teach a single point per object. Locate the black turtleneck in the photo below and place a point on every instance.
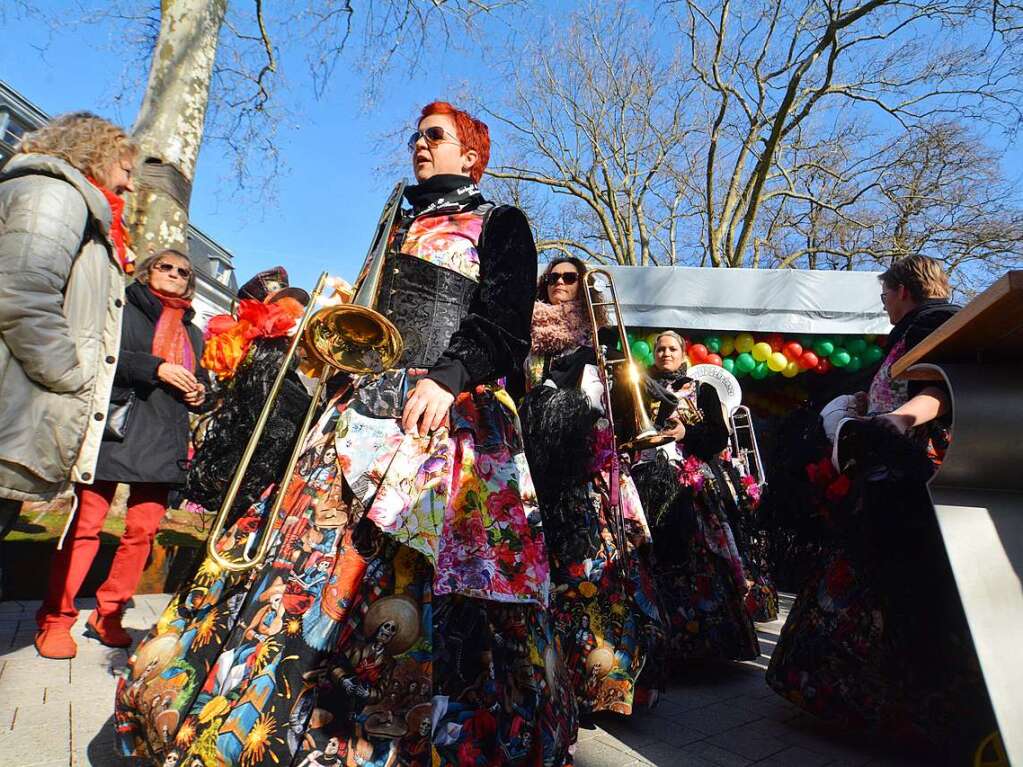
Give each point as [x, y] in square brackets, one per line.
[426, 193]
[493, 339]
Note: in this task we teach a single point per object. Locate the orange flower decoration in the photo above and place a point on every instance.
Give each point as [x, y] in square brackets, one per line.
[225, 351]
[228, 339]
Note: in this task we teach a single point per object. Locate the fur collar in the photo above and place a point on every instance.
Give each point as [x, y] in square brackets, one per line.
[558, 328]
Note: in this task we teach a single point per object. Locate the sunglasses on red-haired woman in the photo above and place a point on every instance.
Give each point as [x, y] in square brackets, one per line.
[435, 134]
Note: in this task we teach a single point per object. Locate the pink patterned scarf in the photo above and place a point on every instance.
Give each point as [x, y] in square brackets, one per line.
[558, 328]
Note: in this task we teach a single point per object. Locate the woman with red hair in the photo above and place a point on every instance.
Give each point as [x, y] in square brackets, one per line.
[401, 616]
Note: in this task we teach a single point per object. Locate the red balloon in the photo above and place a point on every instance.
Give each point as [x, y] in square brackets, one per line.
[792, 351]
[823, 366]
[713, 359]
[776, 340]
[807, 360]
[698, 353]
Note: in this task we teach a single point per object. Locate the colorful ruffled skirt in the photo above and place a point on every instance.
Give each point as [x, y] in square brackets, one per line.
[877, 639]
[700, 575]
[399, 619]
[604, 603]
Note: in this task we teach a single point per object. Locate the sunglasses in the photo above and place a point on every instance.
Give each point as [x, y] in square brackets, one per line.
[569, 278]
[166, 268]
[435, 134]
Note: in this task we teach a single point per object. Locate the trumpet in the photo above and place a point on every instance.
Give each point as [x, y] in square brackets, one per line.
[641, 431]
[351, 337]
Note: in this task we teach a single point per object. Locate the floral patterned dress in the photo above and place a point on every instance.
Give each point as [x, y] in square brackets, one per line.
[700, 574]
[877, 639]
[741, 495]
[603, 600]
[400, 617]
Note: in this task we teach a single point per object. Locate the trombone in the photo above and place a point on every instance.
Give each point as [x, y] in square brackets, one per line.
[351, 337]
[644, 435]
[743, 439]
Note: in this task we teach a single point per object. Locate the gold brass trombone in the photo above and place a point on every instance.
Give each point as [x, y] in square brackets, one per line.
[352, 337]
[642, 433]
[743, 439]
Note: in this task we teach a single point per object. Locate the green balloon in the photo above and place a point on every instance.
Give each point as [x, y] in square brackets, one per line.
[840, 358]
[824, 347]
[760, 371]
[640, 349]
[856, 346]
[728, 364]
[855, 363]
[713, 343]
[872, 355]
[745, 362]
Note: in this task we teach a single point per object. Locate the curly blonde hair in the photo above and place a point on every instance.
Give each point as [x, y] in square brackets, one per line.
[85, 141]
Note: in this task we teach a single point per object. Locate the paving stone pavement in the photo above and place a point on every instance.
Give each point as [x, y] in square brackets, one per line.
[58, 713]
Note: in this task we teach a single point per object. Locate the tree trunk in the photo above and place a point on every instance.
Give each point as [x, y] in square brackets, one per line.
[170, 125]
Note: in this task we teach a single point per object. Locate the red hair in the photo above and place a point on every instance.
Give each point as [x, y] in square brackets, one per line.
[472, 133]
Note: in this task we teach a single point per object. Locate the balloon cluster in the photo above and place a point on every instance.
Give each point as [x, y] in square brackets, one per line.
[758, 357]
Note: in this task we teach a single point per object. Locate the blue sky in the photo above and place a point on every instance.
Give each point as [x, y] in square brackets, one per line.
[338, 171]
[330, 195]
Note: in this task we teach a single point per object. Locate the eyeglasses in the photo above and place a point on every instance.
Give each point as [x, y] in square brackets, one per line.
[435, 134]
[166, 268]
[569, 278]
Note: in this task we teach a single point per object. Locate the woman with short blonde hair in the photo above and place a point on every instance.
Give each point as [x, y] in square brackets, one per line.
[924, 278]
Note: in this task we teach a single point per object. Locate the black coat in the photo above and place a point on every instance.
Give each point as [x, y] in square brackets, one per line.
[156, 438]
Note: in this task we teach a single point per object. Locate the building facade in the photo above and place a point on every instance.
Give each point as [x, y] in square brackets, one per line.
[216, 285]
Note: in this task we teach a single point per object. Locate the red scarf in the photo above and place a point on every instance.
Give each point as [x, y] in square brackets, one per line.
[117, 231]
[170, 341]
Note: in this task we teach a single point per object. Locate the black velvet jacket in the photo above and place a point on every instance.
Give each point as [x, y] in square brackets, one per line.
[493, 339]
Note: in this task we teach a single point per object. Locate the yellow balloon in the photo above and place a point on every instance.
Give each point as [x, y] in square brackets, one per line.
[744, 342]
[791, 370]
[727, 346]
[777, 361]
[762, 351]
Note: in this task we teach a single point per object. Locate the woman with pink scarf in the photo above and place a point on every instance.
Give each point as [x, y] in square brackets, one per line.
[602, 600]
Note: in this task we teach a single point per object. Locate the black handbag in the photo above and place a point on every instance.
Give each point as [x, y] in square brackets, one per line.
[118, 418]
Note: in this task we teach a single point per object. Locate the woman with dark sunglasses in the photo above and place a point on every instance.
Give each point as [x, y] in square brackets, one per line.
[158, 380]
[400, 617]
[603, 602]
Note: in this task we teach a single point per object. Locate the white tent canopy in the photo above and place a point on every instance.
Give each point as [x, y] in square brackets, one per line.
[764, 300]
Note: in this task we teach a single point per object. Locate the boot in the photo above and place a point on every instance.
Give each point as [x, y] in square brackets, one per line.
[108, 629]
[55, 642]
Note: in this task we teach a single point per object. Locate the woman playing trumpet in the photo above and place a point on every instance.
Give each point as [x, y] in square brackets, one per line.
[399, 617]
[603, 601]
[700, 574]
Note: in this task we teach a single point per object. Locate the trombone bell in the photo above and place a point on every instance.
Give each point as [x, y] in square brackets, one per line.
[353, 338]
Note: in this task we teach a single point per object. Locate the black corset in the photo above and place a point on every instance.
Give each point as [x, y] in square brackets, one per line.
[427, 304]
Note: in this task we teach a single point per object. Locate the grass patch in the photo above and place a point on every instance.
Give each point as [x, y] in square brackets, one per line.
[40, 525]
